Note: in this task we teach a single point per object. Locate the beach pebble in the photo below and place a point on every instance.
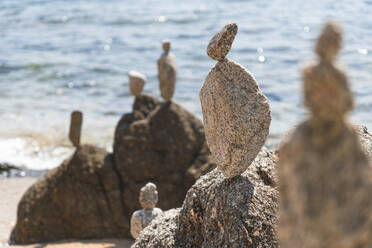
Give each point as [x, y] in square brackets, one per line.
[75, 127]
[167, 72]
[220, 44]
[236, 116]
[141, 218]
[136, 82]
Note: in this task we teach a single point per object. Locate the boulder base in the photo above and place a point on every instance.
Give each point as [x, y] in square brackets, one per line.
[222, 212]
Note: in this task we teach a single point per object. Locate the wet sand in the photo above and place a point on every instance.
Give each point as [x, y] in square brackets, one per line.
[11, 191]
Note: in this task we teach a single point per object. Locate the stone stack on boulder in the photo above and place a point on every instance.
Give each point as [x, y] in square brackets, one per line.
[325, 180]
[235, 112]
[93, 194]
[162, 143]
[142, 218]
[236, 204]
[80, 199]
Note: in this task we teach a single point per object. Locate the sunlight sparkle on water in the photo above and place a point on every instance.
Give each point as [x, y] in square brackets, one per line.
[107, 48]
[363, 51]
[261, 58]
[162, 19]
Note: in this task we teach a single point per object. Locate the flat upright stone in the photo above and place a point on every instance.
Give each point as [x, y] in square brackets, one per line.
[136, 82]
[75, 127]
[220, 44]
[236, 116]
[167, 72]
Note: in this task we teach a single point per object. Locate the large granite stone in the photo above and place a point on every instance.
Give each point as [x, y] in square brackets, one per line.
[236, 116]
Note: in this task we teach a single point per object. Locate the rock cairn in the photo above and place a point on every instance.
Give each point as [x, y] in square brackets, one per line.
[325, 190]
[236, 113]
[167, 72]
[233, 206]
[136, 82]
[75, 127]
[142, 218]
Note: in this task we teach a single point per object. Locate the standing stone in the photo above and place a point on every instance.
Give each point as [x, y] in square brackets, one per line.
[220, 44]
[167, 71]
[75, 127]
[236, 113]
[136, 82]
[324, 174]
[142, 218]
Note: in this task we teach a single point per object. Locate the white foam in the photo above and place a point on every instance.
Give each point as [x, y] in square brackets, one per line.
[27, 153]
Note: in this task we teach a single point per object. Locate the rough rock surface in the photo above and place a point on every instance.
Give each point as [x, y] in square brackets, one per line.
[166, 147]
[136, 82]
[80, 199]
[220, 44]
[161, 233]
[75, 127]
[236, 116]
[365, 139]
[325, 177]
[167, 72]
[222, 212]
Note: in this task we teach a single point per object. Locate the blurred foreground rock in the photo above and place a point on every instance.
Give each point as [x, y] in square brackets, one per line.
[93, 194]
[325, 175]
[222, 212]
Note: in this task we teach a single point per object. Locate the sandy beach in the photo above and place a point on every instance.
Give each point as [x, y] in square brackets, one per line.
[11, 191]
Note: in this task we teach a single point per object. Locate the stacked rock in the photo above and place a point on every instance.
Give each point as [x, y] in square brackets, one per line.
[136, 82]
[236, 113]
[75, 127]
[167, 72]
[140, 219]
[324, 184]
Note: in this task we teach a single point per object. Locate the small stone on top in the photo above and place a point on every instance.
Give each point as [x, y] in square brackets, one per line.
[220, 44]
[166, 45]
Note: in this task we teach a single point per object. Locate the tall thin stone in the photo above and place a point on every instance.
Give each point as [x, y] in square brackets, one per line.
[75, 127]
[236, 113]
[324, 174]
[167, 72]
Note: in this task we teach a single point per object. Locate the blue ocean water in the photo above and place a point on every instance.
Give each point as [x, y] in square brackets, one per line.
[60, 55]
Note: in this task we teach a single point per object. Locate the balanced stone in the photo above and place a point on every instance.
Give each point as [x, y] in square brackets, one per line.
[167, 72]
[75, 127]
[236, 116]
[136, 82]
[220, 44]
[324, 173]
[142, 218]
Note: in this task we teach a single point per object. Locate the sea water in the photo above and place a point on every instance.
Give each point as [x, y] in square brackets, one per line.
[57, 56]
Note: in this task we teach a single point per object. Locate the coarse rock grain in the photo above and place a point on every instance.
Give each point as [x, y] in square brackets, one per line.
[236, 116]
